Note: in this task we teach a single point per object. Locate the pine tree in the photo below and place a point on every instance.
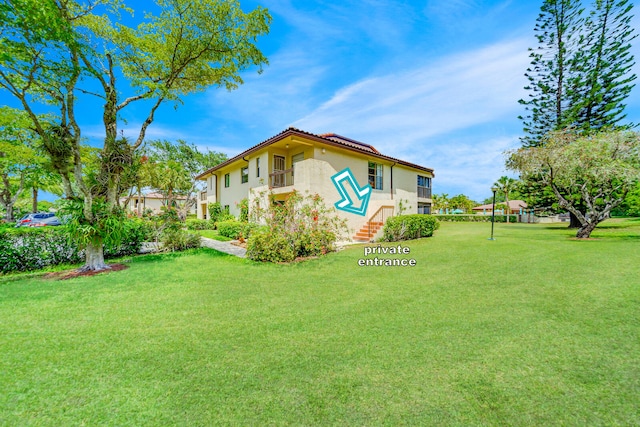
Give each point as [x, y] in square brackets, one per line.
[552, 76]
[604, 66]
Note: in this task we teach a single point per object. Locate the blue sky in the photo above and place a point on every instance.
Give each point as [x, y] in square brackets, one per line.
[434, 82]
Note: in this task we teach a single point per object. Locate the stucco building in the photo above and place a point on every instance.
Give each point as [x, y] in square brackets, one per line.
[302, 161]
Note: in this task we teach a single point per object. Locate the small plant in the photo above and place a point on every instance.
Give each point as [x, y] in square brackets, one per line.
[179, 240]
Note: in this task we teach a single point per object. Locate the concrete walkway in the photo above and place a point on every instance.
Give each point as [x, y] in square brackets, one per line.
[225, 247]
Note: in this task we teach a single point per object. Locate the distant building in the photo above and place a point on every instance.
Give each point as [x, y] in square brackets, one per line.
[153, 201]
[514, 205]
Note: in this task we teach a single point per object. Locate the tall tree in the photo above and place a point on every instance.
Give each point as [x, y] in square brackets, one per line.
[601, 168]
[53, 50]
[172, 168]
[506, 185]
[462, 202]
[552, 77]
[604, 65]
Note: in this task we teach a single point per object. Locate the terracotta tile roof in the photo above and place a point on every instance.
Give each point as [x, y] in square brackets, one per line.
[328, 139]
[513, 205]
[157, 195]
[351, 142]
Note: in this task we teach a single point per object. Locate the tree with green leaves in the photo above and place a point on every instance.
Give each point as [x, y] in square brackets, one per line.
[172, 168]
[552, 78]
[506, 186]
[18, 159]
[53, 51]
[601, 168]
[580, 75]
[462, 202]
[440, 202]
[604, 66]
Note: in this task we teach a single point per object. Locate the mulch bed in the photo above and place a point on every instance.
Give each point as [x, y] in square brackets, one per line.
[64, 275]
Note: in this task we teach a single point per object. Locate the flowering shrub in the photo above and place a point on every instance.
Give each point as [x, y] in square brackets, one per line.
[298, 227]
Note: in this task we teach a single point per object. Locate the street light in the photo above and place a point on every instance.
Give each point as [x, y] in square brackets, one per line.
[493, 211]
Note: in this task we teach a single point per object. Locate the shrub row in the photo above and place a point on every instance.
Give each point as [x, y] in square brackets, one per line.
[476, 218]
[408, 227]
[273, 246]
[200, 224]
[25, 249]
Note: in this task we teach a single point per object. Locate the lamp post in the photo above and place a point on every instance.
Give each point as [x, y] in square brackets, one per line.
[493, 211]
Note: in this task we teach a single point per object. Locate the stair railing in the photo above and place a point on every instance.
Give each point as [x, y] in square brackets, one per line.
[380, 215]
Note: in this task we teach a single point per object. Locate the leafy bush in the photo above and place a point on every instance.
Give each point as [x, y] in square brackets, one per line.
[408, 227]
[215, 210]
[135, 231]
[179, 240]
[234, 229]
[226, 216]
[299, 227]
[200, 224]
[476, 218]
[270, 246]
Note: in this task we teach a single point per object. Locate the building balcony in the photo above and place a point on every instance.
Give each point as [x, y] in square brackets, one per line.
[279, 179]
[424, 192]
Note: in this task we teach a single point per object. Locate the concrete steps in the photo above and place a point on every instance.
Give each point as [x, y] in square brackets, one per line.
[363, 235]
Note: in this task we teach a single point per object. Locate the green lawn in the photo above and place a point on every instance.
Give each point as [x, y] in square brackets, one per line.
[212, 234]
[534, 328]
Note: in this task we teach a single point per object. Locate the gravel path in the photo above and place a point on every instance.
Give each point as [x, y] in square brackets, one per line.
[225, 247]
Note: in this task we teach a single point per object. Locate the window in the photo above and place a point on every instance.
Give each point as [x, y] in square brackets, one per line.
[375, 175]
[424, 208]
[258, 167]
[226, 180]
[424, 187]
[244, 175]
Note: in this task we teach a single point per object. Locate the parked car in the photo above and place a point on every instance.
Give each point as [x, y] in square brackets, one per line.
[52, 220]
[26, 220]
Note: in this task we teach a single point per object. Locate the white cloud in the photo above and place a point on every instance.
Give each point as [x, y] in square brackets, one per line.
[414, 113]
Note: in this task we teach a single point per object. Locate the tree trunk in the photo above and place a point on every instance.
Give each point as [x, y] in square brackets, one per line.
[9, 212]
[34, 203]
[574, 222]
[585, 231]
[94, 256]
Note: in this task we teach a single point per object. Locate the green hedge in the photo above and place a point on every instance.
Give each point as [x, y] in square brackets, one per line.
[200, 224]
[235, 229]
[408, 227]
[25, 249]
[476, 218]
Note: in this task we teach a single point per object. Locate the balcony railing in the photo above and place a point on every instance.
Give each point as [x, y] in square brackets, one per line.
[424, 192]
[203, 195]
[281, 178]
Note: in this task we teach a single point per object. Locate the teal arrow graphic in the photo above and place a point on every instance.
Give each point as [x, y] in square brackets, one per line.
[363, 193]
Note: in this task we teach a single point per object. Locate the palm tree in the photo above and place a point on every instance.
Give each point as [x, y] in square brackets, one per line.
[440, 201]
[506, 185]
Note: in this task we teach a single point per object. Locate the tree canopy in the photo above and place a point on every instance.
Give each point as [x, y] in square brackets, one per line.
[52, 51]
[595, 170]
